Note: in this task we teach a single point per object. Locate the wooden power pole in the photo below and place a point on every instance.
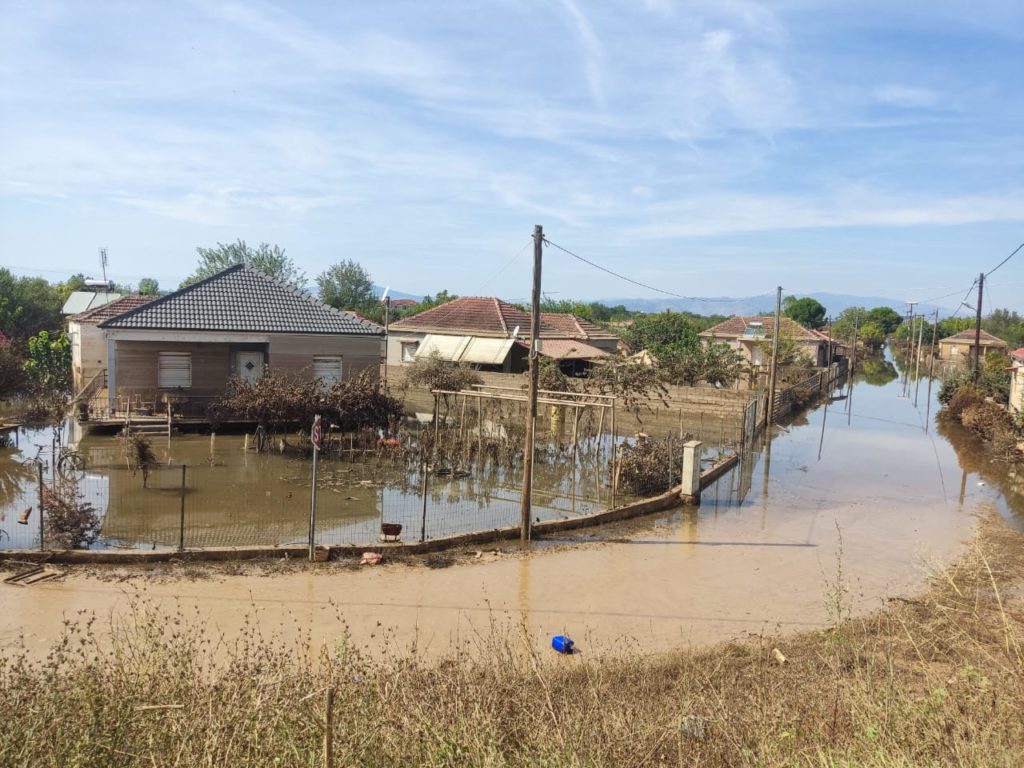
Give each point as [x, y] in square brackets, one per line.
[525, 508]
[977, 328]
[777, 331]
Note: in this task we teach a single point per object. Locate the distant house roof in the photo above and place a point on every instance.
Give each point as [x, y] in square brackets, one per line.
[404, 303]
[97, 315]
[242, 299]
[967, 337]
[82, 301]
[1018, 354]
[575, 327]
[491, 317]
[754, 327]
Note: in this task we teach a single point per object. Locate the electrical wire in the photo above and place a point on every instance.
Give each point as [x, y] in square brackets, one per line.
[997, 266]
[623, 277]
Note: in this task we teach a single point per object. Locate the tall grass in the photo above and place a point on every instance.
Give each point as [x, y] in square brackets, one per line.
[937, 680]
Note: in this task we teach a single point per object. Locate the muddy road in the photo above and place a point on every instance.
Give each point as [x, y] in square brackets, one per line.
[861, 498]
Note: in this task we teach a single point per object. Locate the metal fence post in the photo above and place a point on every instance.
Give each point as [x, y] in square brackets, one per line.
[181, 524]
[425, 488]
[42, 539]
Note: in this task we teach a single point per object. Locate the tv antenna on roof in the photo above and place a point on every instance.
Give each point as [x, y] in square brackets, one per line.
[103, 263]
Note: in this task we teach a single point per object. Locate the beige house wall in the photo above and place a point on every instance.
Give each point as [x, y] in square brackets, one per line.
[1017, 388]
[88, 353]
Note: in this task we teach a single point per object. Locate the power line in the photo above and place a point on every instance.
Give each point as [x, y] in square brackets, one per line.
[623, 277]
[997, 266]
[963, 301]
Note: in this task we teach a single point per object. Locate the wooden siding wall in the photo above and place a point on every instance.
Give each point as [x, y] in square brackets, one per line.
[294, 353]
[212, 363]
[137, 362]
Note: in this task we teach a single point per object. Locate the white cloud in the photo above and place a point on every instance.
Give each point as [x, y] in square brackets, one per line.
[907, 96]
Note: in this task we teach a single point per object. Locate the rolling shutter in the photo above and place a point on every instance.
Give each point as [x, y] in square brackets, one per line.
[327, 369]
[175, 370]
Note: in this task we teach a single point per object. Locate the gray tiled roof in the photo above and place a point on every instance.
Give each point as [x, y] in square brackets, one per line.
[242, 299]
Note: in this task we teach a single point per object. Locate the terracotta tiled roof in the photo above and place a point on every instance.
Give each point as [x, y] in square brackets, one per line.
[242, 299]
[113, 309]
[403, 303]
[967, 337]
[735, 326]
[574, 327]
[491, 317]
[1018, 354]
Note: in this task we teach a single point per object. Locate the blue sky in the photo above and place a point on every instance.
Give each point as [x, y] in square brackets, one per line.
[707, 148]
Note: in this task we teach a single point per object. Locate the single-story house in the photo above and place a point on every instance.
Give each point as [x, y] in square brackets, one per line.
[494, 335]
[89, 343]
[960, 346]
[1017, 381]
[188, 344]
[751, 337]
[403, 303]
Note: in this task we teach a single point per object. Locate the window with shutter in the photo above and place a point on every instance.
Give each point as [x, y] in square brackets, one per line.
[327, 369]
[175, 370]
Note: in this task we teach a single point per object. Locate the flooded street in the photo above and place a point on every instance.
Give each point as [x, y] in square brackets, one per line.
[860, 482]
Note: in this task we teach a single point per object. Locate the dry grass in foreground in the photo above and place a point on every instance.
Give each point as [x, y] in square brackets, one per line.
[934, 681]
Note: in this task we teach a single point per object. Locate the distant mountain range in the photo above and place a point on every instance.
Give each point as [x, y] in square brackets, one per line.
[762, 304]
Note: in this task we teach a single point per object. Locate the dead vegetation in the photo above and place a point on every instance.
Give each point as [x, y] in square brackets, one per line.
[936, 680]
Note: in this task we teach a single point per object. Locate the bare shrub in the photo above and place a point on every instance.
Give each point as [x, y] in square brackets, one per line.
[965, 396]
[138, 452]
[70, 521]
[650, 466]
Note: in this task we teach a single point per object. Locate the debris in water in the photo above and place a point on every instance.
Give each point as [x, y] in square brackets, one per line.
[779, 657]
[371, 558]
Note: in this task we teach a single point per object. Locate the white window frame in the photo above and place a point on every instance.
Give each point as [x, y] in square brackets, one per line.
[954, 349]
[324, 360]
[406, 345]
[177, 376]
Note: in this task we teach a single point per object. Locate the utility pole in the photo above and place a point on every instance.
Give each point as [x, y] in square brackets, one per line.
[931, 372]
[917, 358]
[977, 328]
[531, 416]
[770, 416]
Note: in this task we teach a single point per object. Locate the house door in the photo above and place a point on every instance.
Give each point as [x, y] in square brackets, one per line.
[250, 366]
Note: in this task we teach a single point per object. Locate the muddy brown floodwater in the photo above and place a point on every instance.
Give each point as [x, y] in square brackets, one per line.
[860, 482]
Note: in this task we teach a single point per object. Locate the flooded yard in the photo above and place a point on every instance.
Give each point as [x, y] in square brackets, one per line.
[867, 483]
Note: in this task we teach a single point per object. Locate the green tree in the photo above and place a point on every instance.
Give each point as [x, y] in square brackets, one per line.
[49, 363]
[809, 312]
[429, 302]
[886, 318]
[13, 380]
[27, 306]
[666, 335]
[1007, 325]
[269, 259]
[149, 287]
[347, 285]
[69, 286]
[872, 334]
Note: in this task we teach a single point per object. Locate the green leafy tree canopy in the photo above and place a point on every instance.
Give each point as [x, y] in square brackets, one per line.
[149, 287]
[269, 259]
[809, 312]
[346, 285]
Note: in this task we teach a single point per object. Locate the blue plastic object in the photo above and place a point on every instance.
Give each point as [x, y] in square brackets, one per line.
[562, 644]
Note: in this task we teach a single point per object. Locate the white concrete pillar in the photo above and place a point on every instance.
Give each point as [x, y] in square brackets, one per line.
[692, 452]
